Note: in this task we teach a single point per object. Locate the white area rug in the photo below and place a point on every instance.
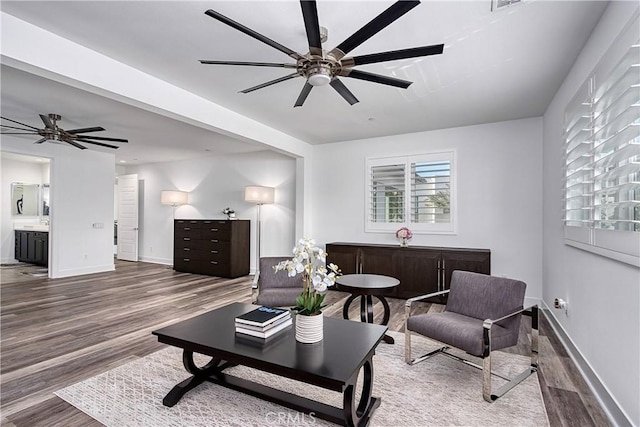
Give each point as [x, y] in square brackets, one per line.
[436, 392]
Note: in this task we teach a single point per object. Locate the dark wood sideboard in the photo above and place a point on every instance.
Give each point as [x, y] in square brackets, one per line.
[420, 269]
[211, 246]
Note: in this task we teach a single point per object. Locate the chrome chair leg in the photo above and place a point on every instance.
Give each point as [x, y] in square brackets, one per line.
[486, 363]
[486, 371]
[407, 344]
[534, 336]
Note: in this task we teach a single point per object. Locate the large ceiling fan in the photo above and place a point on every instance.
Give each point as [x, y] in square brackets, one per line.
[52, 132]
[320, 67]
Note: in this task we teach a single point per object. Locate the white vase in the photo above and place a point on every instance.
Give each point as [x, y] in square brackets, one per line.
[309, 329]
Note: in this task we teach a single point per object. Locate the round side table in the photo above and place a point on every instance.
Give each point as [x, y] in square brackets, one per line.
[366, 286]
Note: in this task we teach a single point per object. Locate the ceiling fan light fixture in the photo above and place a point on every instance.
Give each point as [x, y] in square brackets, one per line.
[319, 76]
[52, 132]
[321, 67]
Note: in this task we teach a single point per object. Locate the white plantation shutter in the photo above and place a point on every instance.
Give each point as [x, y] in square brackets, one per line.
[430, 192]
[616, 146]
[386, 193]
[602, 158]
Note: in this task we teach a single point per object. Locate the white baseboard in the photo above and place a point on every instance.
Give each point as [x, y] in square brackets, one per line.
[609, 404]
[154, 260]
[81, 271]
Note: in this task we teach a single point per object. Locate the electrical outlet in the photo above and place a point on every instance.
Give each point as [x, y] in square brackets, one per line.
[98, 225]
[561, 304]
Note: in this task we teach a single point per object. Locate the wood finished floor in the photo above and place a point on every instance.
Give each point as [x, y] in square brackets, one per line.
[56, 332]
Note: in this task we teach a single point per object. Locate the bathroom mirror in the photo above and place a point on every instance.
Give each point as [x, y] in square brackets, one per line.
[24, 199]
[46, 208]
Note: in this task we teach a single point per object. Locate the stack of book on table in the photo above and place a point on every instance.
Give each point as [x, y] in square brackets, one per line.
[263, 322]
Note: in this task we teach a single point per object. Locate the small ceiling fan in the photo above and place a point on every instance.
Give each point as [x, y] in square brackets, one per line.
[52, 132]
[320, 67]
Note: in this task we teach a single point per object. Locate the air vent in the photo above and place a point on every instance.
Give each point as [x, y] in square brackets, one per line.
[501, 4]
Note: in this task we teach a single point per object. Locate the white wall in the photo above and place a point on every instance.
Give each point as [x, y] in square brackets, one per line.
[15, 171]
[214, 183]
[499, 168]
[81, 195]
[603, 321]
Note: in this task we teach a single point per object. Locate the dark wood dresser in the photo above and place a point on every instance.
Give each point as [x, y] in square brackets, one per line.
[211, 246]
[420, 269]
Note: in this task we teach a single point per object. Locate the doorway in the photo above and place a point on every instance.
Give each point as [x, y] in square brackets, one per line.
[26, 210]
[127, 222]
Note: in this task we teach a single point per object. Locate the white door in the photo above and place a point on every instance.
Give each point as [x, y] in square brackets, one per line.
[128, 217]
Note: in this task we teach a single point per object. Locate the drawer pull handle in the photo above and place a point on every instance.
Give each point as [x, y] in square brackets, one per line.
[186, 249]
[214, 229]
[186, 259]
[214, 262]
[187, 228]
[214, 240]
[214, 252]
[186, 238]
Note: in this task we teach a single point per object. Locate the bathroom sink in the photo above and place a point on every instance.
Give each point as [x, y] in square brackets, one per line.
[31, 227]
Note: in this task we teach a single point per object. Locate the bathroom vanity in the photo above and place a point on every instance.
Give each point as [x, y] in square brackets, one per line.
[32, 244]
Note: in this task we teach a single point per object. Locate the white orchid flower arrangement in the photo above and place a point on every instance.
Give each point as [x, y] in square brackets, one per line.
[310, 261]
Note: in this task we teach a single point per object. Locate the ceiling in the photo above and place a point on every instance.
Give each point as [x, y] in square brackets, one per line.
[496, 66]
[152, 138]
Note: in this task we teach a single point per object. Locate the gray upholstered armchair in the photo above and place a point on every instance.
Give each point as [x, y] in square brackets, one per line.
[276, 289]
[482, 314]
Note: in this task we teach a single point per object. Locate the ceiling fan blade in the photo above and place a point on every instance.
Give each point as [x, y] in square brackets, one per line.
[102, 138]
[19, 133]
[47, 122]
[253, 64]
[252, 33]
[310, 15]
[40, 141]
[269, 83]
[35, 130]
[393, 55]
[376, 78]
[96, 143]
[343, 91]
[83, 130]
[306, 89]
[75, 144]
[394, 12]
[9, 120]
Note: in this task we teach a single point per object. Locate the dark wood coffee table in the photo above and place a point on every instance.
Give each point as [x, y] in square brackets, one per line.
[366, 286]
[329, 364]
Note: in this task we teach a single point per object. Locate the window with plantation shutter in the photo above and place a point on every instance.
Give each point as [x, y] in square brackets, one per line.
[430, 192]
[602, 157]
[412, 191]
[386, 201]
